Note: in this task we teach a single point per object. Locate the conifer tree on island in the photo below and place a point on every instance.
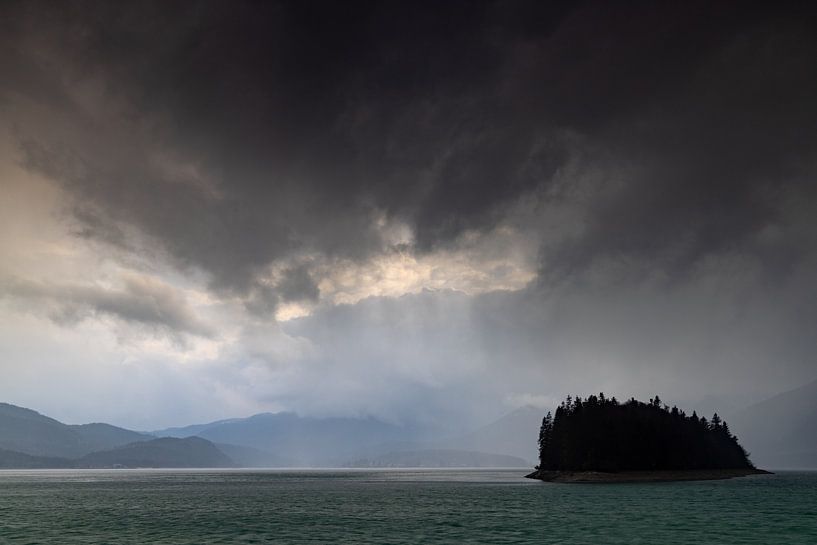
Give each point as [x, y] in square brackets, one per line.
[601, 434]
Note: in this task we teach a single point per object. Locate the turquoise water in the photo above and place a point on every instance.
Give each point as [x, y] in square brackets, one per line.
[443, 506]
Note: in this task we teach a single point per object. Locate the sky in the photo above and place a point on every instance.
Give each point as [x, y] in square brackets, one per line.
[426, 212]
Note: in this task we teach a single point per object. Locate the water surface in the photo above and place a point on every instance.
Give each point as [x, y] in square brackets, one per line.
[410, 506]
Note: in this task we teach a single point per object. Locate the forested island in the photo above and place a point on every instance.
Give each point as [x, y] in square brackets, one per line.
[601, 440]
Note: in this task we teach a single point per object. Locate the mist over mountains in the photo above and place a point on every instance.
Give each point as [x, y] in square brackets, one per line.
[781, 432]
[306, 440]
[29, 439]
[778, 432]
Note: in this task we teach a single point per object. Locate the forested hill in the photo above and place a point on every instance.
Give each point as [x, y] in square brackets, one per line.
[600, 434]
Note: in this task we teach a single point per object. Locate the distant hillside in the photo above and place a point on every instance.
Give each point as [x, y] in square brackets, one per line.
[17, 460]
[253, 457]
[26, 431]
[29, 432]
[100, 436]
[304, 440]
[167, 452]
[191, 430]
[781, 432]
[440, 458]
[510, 435]
[31, 440]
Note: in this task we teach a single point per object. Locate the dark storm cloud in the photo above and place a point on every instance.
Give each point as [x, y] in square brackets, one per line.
[305, 120]
[706, 165]
[297, 285]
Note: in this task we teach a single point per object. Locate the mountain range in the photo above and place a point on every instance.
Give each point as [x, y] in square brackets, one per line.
[28, 432]
[340, 441]
[307, 441]
[779, 433]
[29, 439]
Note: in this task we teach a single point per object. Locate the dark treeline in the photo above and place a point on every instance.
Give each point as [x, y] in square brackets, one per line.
[600, 434]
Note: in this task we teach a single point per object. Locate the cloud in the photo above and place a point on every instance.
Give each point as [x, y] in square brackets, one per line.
[233, 156]
[442, 205]
[722, 331]
[298, 285]
[140, 300]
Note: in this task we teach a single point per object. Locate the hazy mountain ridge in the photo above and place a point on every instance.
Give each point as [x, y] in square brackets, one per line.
[100, 436]
[310, 441]
[10, 459]
[192, 429]
[252, 457]
[513, 435]
[778, 432]
[509, 435]
[29, 432]
[165, 452]
[170, 452]
[306, 440]
[29, 439]
[781, 432]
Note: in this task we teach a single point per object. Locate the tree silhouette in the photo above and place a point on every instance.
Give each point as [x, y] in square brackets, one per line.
[599, 434]
[545, 433]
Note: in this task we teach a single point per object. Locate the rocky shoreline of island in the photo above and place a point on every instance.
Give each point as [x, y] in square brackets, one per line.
[643, 476]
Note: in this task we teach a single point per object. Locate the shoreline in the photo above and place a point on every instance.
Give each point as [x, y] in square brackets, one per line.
[643, 476]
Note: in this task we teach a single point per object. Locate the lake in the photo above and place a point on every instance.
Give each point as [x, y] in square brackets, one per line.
[396, 506]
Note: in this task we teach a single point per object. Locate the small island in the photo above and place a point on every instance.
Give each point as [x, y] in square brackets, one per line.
[600, 440]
